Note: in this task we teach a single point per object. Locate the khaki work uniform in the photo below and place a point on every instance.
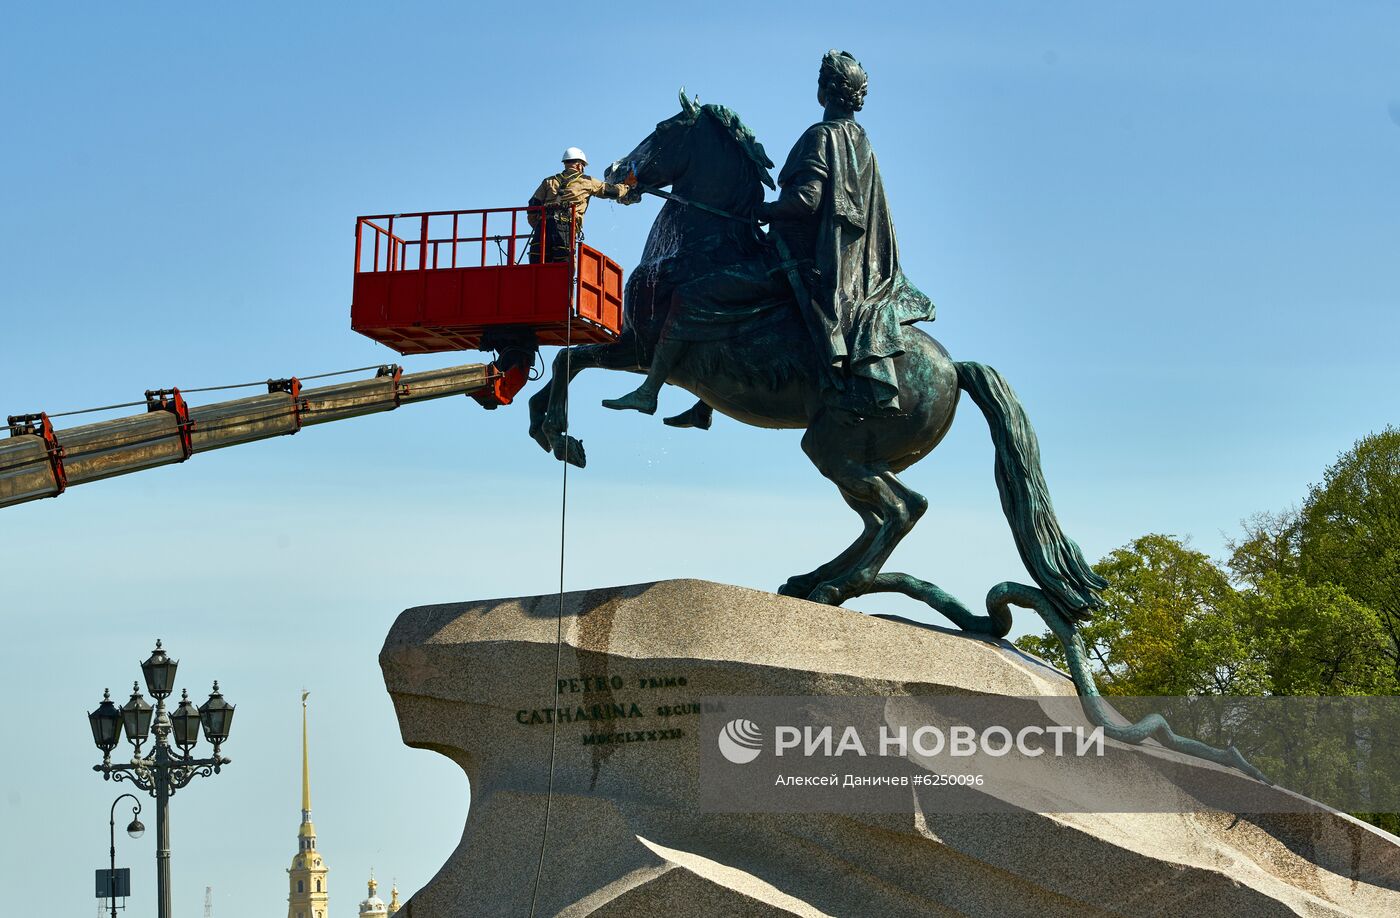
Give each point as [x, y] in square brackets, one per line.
[559, 193]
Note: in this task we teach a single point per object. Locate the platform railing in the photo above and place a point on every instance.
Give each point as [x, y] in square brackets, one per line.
[396, 252]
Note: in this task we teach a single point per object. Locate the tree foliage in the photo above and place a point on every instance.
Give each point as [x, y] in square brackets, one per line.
[1308, 604]
[1174, 624]
[1349, 531]
[1167, 626]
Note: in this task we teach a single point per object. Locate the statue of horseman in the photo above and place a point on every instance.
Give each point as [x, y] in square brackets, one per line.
[836, 252]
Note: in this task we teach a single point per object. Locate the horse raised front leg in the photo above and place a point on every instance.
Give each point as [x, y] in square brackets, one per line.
[549, 408]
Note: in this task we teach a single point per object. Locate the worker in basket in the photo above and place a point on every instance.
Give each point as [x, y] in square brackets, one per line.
[564, 196]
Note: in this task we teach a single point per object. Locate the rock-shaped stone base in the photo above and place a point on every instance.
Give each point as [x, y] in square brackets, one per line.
[475, 681]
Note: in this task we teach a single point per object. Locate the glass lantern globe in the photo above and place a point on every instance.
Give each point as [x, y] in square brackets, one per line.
[106, 723]
[217, 716]
[136, 717]
[159, 670]
[184, 723]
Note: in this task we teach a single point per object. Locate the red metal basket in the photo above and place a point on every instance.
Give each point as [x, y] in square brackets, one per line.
[427, 294]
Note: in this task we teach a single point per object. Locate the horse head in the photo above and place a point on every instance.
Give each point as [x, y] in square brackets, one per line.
[706, 155]
[704, 152]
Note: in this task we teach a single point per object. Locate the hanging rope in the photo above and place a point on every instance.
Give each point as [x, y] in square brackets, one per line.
[559, 614]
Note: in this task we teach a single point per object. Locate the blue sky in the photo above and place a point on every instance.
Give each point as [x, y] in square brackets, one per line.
[1172, 227]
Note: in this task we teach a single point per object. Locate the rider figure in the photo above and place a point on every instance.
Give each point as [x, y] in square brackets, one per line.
[565, 196]
[834, 228]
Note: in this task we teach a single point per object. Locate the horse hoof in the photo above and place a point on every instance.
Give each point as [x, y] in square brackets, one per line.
[799, 585]
[576, 456]
[569, 450]
[827, 595]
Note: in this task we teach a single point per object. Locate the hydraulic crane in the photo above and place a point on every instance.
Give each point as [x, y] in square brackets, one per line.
[431, 289]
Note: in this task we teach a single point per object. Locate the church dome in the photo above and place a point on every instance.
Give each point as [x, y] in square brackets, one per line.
[372, 906]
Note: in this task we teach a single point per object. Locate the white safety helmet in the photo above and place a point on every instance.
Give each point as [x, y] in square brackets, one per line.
[574, 153]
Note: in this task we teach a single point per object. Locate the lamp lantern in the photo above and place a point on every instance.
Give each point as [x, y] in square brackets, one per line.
[185, 723]
[106, 723]
[216, 714]
[136, 717]
[159, 670]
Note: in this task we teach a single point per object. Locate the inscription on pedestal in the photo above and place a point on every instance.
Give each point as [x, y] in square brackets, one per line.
[618, 720]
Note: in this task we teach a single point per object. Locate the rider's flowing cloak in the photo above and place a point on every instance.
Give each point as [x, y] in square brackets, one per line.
[860, 297]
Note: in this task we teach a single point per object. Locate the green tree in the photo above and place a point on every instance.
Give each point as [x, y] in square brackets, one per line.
[1310, 606]
[1314, 639]
[1348, 533]
[1179, 637]
[1172, 624]
[1269, 546]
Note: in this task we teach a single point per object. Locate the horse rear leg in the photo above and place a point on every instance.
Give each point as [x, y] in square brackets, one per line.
[801, 585]
[876, 493]
[898, 509]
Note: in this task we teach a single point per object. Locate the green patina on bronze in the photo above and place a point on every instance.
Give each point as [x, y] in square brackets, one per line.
[817, 333]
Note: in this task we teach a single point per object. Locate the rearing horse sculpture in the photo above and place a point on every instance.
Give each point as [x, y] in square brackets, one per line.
[767, 375]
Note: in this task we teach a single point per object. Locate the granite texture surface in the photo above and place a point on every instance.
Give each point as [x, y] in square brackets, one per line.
[474, 680]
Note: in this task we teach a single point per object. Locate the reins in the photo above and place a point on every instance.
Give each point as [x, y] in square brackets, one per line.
[671, 196]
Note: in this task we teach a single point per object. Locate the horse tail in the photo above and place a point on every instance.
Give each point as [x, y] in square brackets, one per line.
[1052, 558]
[1069, 588]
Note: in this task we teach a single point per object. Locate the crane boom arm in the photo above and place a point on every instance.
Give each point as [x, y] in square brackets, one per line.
[38, 461]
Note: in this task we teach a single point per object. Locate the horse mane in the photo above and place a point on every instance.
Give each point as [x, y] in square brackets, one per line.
[664, 241]
[740, 133]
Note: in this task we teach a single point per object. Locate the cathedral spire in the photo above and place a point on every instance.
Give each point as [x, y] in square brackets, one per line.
[305, 767]
[308, 894]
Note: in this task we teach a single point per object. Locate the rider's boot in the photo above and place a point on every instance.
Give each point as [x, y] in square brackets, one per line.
[698, 416]
[643, 398]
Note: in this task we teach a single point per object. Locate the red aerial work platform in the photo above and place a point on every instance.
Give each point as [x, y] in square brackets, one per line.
[439, 281]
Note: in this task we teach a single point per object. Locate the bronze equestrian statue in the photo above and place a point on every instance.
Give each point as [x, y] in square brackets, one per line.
[811, 327]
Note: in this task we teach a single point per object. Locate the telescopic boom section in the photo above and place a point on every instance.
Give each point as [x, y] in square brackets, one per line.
[38, 461]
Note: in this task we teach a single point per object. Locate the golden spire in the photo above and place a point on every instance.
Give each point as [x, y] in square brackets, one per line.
[394, 898]
[305, 767]
[307, 832]
[308, 893]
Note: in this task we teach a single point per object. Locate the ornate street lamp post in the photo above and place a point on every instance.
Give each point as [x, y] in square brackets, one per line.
[165, 770]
